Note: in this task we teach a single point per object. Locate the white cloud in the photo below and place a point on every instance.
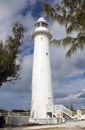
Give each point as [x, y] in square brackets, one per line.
[24, 85]
[10, 8]
[57, 30]
[9, 11]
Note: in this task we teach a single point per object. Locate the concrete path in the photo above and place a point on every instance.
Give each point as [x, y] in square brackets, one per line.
[77, 125]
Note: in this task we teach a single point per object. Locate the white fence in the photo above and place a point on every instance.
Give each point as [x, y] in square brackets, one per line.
[15, 114]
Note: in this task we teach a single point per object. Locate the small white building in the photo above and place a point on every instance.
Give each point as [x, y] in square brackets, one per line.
[80, 116]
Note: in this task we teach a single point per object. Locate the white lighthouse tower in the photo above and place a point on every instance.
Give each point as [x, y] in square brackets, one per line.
[41, 75]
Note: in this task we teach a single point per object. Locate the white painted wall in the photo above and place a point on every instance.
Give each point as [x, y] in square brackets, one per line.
[41, 76]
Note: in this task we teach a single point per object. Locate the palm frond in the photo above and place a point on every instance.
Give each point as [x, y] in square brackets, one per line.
[56, 42]
[66, 41]
[72, 27]
[72, 49]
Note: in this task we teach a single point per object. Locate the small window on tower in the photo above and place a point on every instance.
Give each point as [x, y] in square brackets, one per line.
[46, 53]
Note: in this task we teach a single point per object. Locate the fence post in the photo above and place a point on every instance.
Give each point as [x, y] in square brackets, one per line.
[18, 114]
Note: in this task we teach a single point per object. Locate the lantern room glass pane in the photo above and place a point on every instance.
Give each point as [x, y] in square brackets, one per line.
[43, 24]
[37, 25]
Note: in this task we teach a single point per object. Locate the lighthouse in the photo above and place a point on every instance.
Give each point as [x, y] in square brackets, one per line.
[41, 74]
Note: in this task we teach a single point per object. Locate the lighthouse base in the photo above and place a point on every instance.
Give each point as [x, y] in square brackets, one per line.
[44, 121]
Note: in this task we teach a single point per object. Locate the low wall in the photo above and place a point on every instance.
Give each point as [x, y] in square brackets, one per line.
[26, 120]
[43, 121]
[17, 120]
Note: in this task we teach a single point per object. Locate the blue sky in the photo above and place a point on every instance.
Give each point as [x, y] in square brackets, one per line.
[68, 79]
